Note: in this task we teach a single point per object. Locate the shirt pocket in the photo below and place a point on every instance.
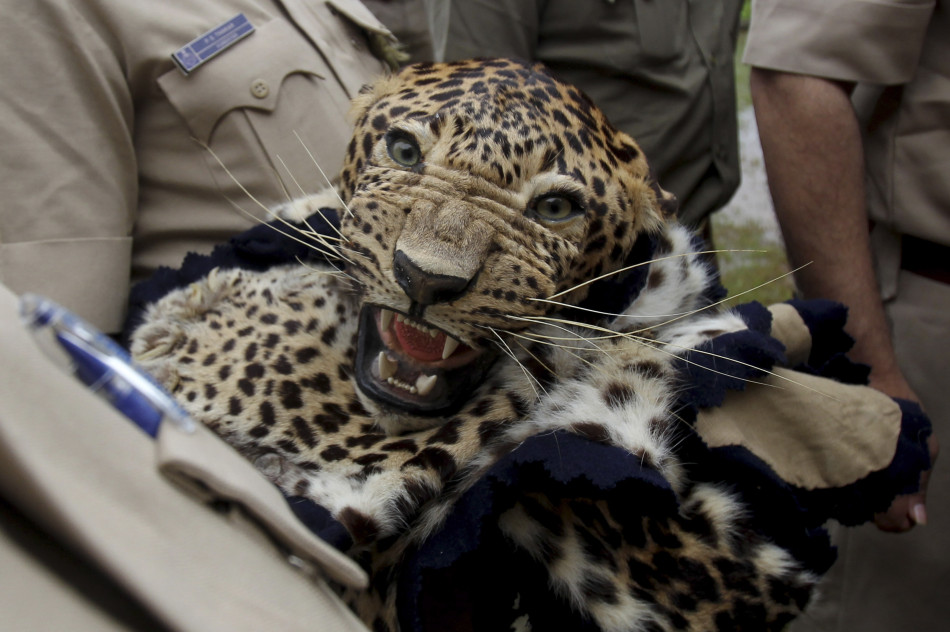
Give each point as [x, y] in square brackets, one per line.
[630, 37]
[267, 108]
[249, 75]
[662, 29]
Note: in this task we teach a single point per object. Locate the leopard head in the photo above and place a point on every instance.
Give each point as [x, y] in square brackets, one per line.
[480, 195]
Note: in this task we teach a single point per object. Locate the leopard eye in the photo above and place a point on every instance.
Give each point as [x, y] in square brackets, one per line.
[405, 151]
[556, 207]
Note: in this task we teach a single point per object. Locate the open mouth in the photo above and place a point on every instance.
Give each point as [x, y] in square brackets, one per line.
[412, 366]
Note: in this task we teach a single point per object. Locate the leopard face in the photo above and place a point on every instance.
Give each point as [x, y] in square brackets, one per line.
[476, 193]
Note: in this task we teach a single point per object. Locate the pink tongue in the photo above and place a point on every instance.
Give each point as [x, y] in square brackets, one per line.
[418, 344]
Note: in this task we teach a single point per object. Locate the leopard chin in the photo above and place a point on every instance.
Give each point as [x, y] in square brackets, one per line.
[406, 365]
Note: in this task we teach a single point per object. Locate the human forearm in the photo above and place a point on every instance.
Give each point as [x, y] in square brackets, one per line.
[813, 153]
[814, 158]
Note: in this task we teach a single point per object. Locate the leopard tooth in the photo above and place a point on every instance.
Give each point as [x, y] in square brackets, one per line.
[425, 384]
[387, 368]
[385, 319]
[451, 344]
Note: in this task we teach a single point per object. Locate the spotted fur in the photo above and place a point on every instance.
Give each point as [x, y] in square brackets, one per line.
[478, 199]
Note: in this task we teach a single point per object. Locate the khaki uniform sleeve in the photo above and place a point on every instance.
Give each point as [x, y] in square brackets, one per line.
[68, 175]
[138, 514]
[849, 40]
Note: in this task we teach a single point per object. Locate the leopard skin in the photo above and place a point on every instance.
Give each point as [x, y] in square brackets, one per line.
[452, 322]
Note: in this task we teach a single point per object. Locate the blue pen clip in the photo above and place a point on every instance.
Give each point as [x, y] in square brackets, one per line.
[104, 366]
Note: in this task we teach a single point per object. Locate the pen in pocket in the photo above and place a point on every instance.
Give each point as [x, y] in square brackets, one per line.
[102, 365]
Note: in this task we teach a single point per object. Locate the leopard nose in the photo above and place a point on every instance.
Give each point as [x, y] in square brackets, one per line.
[426, 288]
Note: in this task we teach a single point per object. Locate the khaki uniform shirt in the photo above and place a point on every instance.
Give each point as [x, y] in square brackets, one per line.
[898, 52]
[661, 71]
[104, 163]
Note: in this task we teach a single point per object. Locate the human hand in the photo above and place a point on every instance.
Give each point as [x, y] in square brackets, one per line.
[910, 510]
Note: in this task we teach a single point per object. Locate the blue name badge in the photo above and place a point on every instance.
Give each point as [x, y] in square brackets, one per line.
[215, 41]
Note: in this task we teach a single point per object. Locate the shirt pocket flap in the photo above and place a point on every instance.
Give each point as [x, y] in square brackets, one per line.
[203, 465]
[247, 76]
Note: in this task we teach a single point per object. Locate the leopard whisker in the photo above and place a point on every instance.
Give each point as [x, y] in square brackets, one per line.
[728, 298]
[332, 250]
[511, 354]
[310, 232]
[316, 163]
[536, 358]
[569, 350]
[658, 345]
[336, 272]
[539, 336]
[342, 249]
[746, 364]
[638, 265]
[720, 302]
[678, 316]
[760, 285]
[234, 179]
[541, 339]
[610, 334]
[608, 314]
[548, 322]
[292, 178]
[313, 234]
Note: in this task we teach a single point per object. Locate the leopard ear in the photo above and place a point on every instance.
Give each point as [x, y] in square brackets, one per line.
[652, 206]
[370, 94]
[666, 202]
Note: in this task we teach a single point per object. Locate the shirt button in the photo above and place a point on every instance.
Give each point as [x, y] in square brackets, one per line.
[260, 89]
